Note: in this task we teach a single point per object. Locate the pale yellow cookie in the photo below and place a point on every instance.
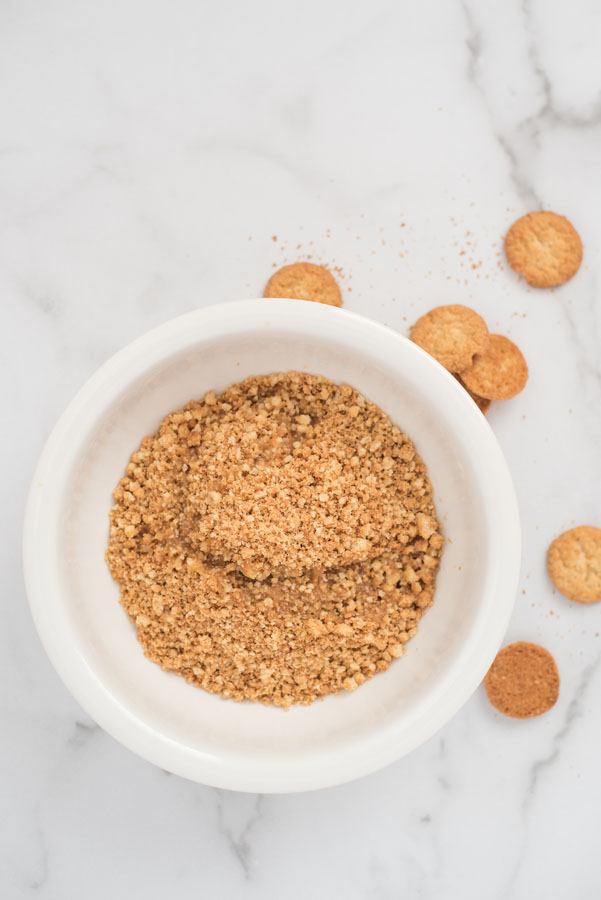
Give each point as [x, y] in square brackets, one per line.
[452, 335]
[304, 281]
[574, 564]
[545, 248]
[500, 372]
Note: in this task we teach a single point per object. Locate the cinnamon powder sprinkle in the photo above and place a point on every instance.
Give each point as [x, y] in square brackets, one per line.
[275, 543]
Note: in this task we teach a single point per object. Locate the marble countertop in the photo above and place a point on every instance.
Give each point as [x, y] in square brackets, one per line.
[156, 157]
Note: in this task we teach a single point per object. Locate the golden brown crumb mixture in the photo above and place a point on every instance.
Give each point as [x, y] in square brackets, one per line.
[277, 542]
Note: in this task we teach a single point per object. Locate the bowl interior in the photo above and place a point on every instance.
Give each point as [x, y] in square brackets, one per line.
[218, 737]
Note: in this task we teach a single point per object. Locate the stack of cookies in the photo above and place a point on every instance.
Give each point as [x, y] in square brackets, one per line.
[489, 366]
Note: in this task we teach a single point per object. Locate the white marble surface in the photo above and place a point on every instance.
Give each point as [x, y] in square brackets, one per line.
[149, 152]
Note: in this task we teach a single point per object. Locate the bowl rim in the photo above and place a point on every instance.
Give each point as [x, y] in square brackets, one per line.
[59, 639]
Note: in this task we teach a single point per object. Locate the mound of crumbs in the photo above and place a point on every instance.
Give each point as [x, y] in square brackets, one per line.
[275, 543]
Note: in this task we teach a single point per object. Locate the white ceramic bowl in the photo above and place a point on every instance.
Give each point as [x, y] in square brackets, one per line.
[182, 728]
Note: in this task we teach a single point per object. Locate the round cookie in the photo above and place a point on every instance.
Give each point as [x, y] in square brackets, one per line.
[304, 281]
[499, 373]
[482, 403]
[452, 335]
[523, 680]
[574, 564]
[545, 248]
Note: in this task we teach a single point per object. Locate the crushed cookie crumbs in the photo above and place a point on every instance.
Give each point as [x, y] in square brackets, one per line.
[277, 542]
